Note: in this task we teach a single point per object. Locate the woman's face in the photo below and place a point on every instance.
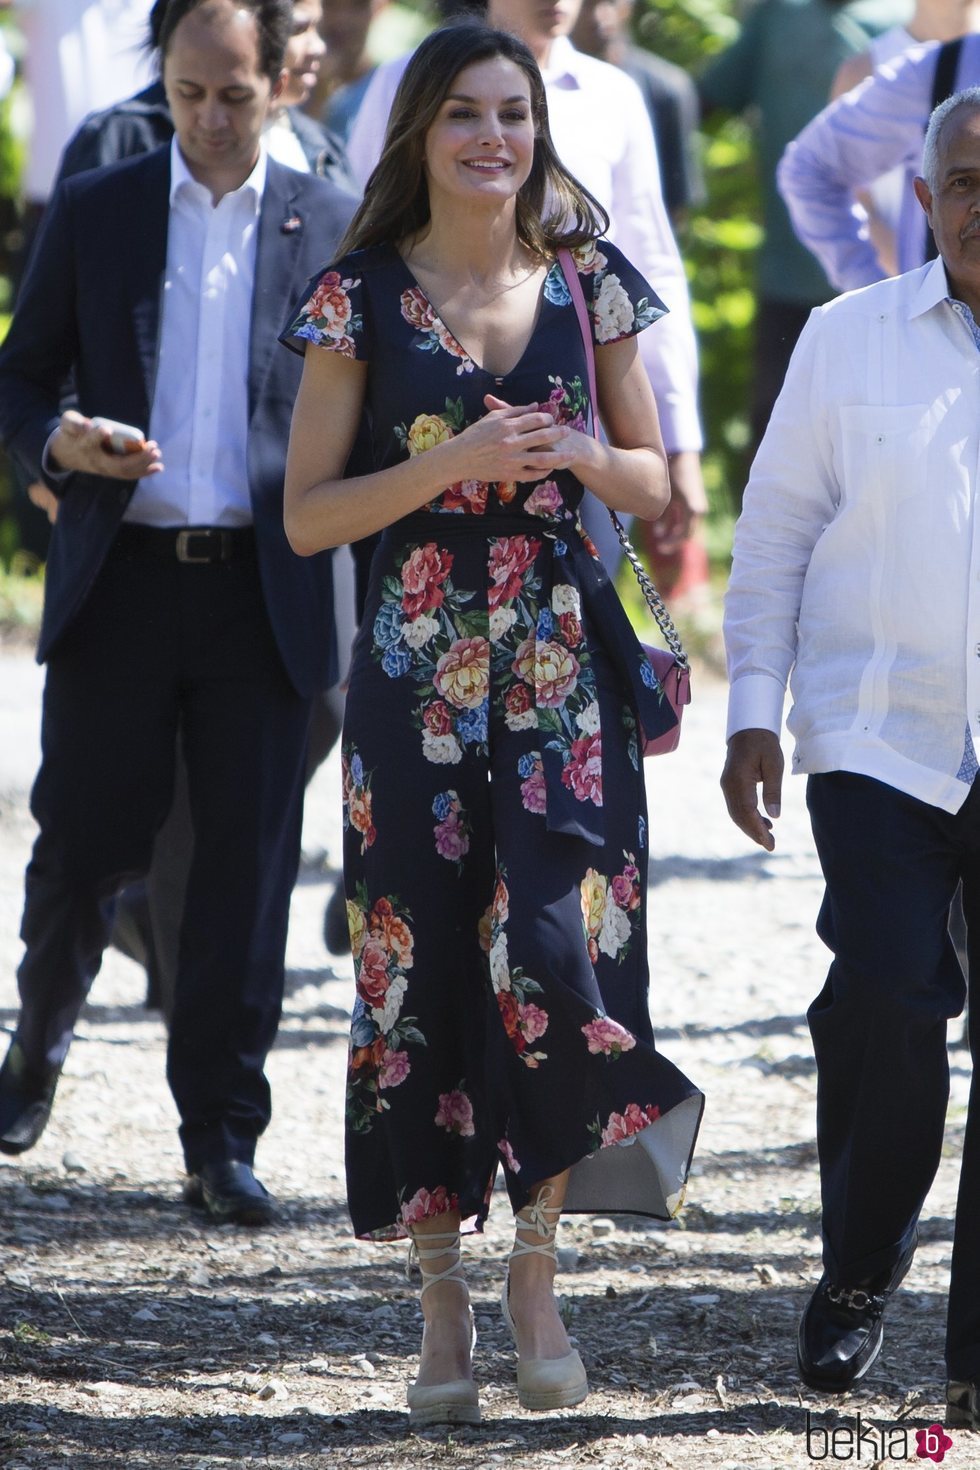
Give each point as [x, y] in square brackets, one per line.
[481, 146]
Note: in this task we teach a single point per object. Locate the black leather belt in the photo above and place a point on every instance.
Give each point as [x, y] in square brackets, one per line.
[192, 545]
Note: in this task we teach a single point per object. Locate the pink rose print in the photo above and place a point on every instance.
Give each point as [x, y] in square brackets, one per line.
[469, 496]
[437, 717]
[395, 1067]
[624, 1125]
[532, 1020]
[556, 671]
[455, 1113]
[508, 1155]
[417, 311]
[523, 664]
[452, 839]
[330, 304]
[533, 790]
[423, 574]
[510, 557]
[583, 773]
[571, 628]
[625, 890]
[425, 1203]
[462, 674]
[517, 700]
[544, 500]
[394, 933]
[372, 976]
[607, 1038]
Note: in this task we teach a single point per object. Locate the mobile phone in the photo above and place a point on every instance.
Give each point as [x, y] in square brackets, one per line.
[123, 438]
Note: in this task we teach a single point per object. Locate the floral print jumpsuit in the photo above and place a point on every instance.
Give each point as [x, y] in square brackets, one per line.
[495, 851]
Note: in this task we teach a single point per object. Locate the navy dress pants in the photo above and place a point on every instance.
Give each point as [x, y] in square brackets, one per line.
[892, 864]
[160, 643]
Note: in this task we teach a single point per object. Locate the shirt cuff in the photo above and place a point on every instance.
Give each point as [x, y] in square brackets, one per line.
[755, 702]
[680, 428]
[59, 476]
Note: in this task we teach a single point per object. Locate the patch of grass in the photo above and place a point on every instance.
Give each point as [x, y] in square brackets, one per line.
[21, 595]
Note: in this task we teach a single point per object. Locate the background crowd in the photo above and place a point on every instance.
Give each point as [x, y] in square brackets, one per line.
[728, 85]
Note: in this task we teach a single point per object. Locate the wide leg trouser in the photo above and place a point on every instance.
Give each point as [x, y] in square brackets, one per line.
[158, 643]
[891, 865]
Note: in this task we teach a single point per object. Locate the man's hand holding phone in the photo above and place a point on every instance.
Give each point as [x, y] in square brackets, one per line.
[101, 446]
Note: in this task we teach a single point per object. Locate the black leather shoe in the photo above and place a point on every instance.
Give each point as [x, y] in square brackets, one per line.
[230, 1194]
[963, 1403]
[336, 933]
[25, 1101]
[841, 1331]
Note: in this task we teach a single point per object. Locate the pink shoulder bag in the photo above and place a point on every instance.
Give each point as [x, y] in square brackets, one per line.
[670, 664]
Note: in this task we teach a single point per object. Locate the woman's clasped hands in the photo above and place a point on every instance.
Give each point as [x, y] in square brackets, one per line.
[514, 442]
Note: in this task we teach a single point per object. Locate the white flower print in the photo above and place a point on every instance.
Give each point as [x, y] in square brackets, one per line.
[615, 931]
[613, 310]
[501, 619]
[588, 720]
[418, 631]
[388, 1014]
[566, 599]
[500, 964]
[441, 750]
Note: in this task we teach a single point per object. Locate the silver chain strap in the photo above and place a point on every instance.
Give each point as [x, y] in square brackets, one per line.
[653, 599]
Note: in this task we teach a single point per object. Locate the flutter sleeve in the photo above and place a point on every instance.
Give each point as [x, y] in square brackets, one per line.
[621, 302]
[331, 314]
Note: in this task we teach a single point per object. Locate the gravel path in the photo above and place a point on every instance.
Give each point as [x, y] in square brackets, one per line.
[131, 1334]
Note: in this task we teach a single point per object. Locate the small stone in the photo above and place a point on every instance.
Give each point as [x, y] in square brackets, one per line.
[291, 1438]
[602, 1226]
[363, 1365]
[271, 1390]
[567, 1257]
[72, 1164]
[18, 1278]
[264, 1339]
[768, 1275]
[145, 1315]
[198, 1275]
[705, 1299]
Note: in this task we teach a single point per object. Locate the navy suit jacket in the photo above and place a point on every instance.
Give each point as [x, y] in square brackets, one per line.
[90, 304]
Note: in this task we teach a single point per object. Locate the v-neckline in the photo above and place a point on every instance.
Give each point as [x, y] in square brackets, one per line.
[437, 316]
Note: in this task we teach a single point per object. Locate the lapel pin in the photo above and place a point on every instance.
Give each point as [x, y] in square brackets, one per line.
[291, 225]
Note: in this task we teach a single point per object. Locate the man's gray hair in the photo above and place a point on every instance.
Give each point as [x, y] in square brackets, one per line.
[969, 97]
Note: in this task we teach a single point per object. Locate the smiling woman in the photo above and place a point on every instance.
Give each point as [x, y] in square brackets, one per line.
[495, 827]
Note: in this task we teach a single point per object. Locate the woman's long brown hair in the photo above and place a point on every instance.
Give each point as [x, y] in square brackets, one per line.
[553, 209]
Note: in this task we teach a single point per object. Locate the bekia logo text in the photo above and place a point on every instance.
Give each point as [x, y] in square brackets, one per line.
[860, 1441]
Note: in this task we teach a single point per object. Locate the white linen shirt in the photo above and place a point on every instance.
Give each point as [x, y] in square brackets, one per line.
[878, 126]
[602, 132]
[199, 413]
[856, 566]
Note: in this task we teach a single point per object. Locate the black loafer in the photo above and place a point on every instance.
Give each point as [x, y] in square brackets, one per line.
[25, 1101]
[841, 1331]
[230, 1194]
[963, 1403]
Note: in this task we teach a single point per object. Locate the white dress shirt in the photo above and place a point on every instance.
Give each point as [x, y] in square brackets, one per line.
[602, 132]
[878, 126]
[856, 566]
[199, 414]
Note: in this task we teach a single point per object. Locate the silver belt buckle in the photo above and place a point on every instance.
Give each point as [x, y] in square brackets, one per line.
[185, 540]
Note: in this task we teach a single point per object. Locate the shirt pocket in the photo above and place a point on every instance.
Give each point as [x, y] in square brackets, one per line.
[885, 451]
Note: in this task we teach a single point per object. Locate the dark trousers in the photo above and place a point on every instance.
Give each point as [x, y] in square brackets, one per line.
[160, 644]
[891, 865]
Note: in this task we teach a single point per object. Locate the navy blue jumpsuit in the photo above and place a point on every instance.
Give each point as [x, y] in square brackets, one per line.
[495, 852]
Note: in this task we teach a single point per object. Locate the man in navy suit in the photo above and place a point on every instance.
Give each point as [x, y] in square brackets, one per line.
[172, 596]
